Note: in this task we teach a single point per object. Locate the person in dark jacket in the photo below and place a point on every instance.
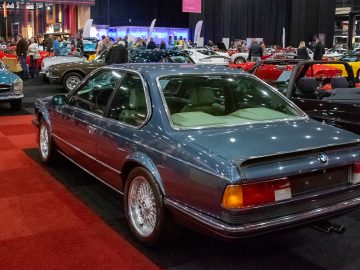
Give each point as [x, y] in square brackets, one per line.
[118, 54]
[319, 50]
[162, 45]
[255, 51]
[302, 52]
[21, 52]
[151, 45]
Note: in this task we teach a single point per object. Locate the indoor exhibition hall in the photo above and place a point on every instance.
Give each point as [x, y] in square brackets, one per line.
[180, 134]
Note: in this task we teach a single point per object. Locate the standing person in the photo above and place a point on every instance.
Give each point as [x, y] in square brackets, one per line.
[185, 44]
[56, 45]
[255, 51]
[49, 43]
[21, 52]
[126, 42]
[33, 51]
[302, 52]
[162, 45]
[80, 46]
[319, 50]
[118, 54]
[151, 45]
[99, 47]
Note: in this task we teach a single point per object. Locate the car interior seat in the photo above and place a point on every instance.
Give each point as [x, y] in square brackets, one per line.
[307, 88]
[203, 99]
[136, 112]
[339, 82]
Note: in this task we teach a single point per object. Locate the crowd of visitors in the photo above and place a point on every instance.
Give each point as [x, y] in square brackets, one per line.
[118, 49]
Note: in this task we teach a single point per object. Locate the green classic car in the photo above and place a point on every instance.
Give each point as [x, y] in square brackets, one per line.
[70, 74]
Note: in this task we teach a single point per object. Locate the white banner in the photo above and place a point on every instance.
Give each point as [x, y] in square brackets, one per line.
[87, 27]
[151, 29]
[197, 32]
[283, 38]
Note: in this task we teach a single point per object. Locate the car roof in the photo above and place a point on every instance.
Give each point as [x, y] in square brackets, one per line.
[156, 69]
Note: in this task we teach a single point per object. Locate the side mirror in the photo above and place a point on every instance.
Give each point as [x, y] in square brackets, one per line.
[58, 100]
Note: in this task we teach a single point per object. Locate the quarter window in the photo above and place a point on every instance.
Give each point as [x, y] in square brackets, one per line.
[94, 95]
[129, 104]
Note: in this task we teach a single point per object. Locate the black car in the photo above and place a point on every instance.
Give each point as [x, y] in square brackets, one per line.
[155, 56]
[319, 90]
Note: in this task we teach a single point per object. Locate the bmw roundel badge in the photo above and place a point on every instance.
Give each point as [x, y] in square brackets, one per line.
[323, 158]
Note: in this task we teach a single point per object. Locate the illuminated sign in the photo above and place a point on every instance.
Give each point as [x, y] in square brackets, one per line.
[192, 6]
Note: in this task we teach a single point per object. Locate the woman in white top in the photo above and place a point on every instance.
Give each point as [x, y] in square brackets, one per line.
[33, 52]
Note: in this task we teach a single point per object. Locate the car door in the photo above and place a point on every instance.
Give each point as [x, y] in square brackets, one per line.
[120, 131]
[76, 123]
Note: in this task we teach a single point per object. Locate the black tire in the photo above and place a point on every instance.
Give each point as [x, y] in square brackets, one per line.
[46, 156]
[15, 104]
[358, 76]
[157, 233]
[45, 79]
[239, 60]
[71, 80]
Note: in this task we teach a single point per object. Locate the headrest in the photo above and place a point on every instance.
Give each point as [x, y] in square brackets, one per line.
[307, 85]
[339, 82]
[137, 98]
[202, 96]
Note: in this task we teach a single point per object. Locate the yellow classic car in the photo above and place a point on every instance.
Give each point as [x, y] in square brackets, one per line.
[354, 61]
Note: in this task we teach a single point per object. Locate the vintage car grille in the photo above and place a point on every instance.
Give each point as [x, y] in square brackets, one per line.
[4, 88]
[289, 208]
[319, 180]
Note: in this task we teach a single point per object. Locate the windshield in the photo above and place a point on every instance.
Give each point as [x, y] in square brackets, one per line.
[221, 100]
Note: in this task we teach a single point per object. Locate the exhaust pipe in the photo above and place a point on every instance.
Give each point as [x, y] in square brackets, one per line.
[328, 227]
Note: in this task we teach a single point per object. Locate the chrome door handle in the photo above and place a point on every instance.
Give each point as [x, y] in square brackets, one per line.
[91, 129]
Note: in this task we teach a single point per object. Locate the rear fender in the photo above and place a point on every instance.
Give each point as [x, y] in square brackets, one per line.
[144, 161]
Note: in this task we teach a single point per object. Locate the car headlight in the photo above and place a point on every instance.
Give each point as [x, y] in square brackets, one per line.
[18, 86]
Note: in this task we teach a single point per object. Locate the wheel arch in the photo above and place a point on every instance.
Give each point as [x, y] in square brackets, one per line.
[139, 159]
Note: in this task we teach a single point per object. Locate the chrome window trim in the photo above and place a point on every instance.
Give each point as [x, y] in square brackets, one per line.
[127, 71]
[303, 115]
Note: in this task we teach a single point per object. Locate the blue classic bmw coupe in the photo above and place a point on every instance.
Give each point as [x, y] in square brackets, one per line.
[206, 146]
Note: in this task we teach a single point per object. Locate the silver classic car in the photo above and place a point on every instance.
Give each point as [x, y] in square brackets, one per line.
[205, 146]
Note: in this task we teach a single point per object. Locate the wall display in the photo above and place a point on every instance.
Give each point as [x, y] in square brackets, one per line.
[192, 6]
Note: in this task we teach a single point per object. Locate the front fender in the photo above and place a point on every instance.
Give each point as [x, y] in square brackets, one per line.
[42, 112]
[143, 160]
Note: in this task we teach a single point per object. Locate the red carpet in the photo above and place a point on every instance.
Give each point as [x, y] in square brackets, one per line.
[42, 225]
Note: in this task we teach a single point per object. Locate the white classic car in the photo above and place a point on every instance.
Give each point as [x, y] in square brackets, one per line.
[205, 56]
[49, 61]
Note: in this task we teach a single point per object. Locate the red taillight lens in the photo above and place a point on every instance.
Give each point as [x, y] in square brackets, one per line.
[355, 177]
[239, 196]
[266, 192]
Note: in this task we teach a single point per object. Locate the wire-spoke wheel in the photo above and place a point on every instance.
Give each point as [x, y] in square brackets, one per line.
[45, 143]
[144, 206]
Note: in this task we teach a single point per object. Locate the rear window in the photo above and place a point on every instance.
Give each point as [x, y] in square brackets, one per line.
[222, 100]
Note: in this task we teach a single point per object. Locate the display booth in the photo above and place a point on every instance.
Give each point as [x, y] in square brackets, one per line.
[159, 34]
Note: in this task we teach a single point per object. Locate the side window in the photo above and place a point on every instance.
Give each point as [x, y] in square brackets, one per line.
[94, 95]
[129, 103]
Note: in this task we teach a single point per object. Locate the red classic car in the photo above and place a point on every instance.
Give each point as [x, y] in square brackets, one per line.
[12, 54]
[272, 70]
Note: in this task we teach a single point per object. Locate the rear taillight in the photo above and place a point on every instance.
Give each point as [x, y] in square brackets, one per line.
[355, 175]
[246, 195]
